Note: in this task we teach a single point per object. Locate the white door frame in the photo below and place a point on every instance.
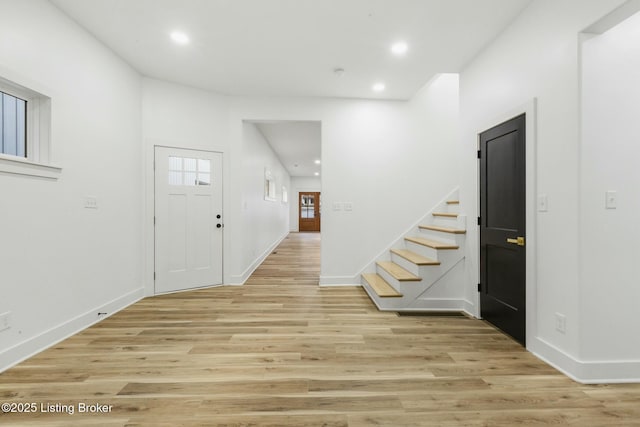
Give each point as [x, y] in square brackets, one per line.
[530, 109]
[153, 150]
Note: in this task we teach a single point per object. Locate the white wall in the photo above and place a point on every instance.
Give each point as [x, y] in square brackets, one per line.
[537, 57]
[609, 161]
[60, 264]
[392, 160]
[264, 222]
[382, 156]
[179, 116]
[298, 184]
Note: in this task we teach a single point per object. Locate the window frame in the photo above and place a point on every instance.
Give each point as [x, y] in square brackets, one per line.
[38, 135]
[13, 95]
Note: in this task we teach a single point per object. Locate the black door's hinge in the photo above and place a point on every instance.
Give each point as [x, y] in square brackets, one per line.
[479, 287]
[479, 154]
[479, 221]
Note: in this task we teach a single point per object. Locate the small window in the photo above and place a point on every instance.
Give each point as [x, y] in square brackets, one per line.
[13, 125]
[189, 172]
[269, 185]
[25, 131]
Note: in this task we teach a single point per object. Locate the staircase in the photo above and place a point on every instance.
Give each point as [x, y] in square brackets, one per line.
[424, 269]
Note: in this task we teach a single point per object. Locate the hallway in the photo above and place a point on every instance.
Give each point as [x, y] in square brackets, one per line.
[281, 351]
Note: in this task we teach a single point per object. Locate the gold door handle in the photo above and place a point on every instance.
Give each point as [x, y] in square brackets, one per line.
[518, 241]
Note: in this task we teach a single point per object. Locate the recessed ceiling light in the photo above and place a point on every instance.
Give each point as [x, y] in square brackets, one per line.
[179, 37]
[378, 87]
[399, 48]
[317, 174]
[317, 162]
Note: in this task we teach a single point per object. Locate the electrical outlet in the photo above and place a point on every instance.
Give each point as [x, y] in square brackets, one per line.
[5, 321]
[561, 323]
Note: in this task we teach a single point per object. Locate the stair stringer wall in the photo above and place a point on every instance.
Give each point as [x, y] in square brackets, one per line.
[442, 287]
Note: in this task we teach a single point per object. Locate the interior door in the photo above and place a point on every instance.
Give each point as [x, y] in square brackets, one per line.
[502, 227]
[309, 211]
[188, 219]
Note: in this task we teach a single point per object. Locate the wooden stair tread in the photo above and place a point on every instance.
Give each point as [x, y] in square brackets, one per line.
[453, 202]
[443, 229]
[415, 258]
[380, 286]
[431, 243]
[446, 214]
[398, 272]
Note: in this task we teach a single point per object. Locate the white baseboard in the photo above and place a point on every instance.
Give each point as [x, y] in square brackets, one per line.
[339, 281]
[470, 309]
[26, 349]
[438, 304]
[239, 279]
[586, 372]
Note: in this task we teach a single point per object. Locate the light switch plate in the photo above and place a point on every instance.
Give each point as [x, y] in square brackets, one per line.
[90, 202]
[5, 321]
[542, 203]
[611, 199]
[348, 206]
[337, 206]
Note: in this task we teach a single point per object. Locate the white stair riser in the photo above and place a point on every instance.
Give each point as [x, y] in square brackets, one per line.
[422, 250]
[430, 274]
[386, 304]
[442, 236]
[406, 264]
[445, 221]
[395, 283]
[427, 272]
[445, 294]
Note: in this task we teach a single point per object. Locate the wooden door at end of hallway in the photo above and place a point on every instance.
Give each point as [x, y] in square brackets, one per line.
[309, 211]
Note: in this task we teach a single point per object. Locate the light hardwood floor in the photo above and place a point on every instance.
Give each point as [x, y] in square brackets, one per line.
[280, 351]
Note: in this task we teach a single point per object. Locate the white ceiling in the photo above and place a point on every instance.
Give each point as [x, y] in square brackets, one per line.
[296, 143]
[291, 48]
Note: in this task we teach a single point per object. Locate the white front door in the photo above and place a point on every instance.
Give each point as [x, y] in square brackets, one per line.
[188, 219]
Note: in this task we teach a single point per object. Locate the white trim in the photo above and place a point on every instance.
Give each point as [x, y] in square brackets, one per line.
[240, 279]
[613, 18]
[150, 212]
[26, 349]
[592, 371]
[38, 130]
[586, 372]
[529, 108]
[339, 281]
[470, 309]
[21, 166]
[149, 206]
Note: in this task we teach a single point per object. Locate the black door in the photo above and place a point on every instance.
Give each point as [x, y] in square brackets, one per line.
[502, 227]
